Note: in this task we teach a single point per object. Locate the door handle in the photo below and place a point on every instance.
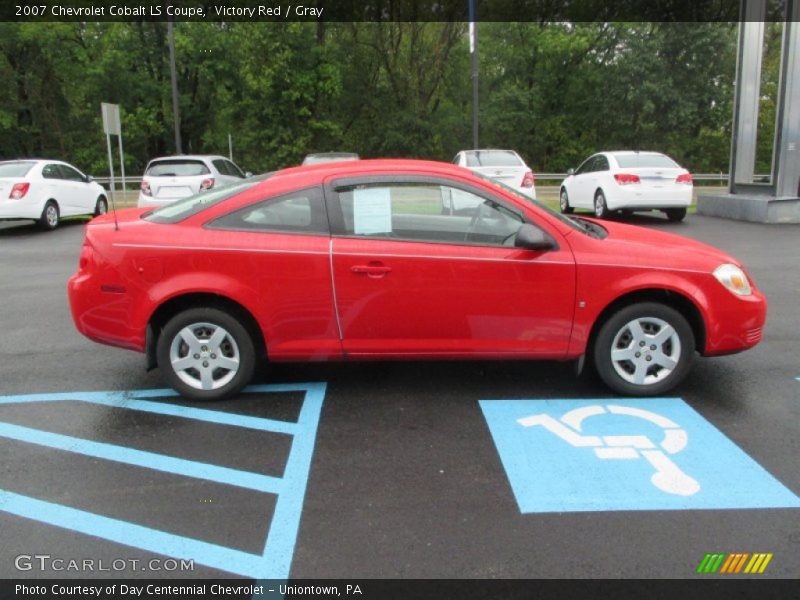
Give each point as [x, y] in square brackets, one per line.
[374, 270]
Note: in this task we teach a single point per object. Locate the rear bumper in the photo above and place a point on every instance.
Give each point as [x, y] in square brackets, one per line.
[102, 315]
[20, 209]
[151, 202]
[646, 198]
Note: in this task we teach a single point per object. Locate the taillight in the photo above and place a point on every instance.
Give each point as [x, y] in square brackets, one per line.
[85, 257]
[19, 190]
[528, 180]
[685, 178]
[626, 178]
[145, 187]
[206, 184]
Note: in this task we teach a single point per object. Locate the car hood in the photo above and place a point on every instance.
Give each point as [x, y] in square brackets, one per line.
[640, 246]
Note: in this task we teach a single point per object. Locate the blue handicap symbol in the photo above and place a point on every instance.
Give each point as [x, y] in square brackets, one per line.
[275, 560]
[625, 454]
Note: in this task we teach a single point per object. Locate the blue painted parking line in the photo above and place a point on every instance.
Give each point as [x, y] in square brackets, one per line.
[625, 454]
[275, 560]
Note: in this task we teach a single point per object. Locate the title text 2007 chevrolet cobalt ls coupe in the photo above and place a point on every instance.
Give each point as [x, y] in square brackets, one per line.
[368, 259]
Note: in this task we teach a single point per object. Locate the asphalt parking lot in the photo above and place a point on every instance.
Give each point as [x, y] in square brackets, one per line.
[373, 470]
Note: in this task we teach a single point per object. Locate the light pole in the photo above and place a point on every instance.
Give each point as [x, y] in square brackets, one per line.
[174, 77]
[473, 51]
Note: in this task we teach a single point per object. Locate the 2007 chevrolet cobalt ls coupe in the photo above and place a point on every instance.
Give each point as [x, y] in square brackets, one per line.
[368, 259]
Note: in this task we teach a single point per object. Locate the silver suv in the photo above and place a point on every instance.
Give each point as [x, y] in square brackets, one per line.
[170, 178]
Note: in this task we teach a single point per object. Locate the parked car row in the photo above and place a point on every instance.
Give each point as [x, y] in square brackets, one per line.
[356, 260]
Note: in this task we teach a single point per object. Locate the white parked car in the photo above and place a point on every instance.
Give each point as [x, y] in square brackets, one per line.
[46, 190]
[170, 178]
[505, 166]
[630, 181]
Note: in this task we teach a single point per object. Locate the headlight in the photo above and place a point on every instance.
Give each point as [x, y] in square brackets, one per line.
[733, 278]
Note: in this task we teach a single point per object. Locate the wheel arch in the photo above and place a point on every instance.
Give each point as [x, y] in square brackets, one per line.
[177, 304]
[671, 298]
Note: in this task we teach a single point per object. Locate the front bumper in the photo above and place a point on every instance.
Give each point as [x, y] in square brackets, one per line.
[735, 324]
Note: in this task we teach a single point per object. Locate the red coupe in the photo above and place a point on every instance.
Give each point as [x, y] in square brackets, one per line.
[401, 259]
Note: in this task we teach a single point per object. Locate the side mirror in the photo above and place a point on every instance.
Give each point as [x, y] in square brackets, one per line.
[570, 172]
[89, 179]
[248, 174]
[533, 238]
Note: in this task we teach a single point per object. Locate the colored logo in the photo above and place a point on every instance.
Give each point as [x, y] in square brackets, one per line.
[734, 563]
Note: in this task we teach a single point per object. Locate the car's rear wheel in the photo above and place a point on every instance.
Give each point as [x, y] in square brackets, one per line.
[50, 216]
[600, 206]
[564, 202]
[101, 207]
[675, 214]
[206, 354]
[644, 349]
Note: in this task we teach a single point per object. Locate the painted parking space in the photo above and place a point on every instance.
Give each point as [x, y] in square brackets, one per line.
[286, 491]
[625, 454]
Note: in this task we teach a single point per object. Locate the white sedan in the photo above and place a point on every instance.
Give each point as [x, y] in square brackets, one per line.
[505, 166]
[628, 181]
[46, 190]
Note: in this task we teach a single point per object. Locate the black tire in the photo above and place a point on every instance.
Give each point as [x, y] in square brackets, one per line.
[51, 216]
[675, 214]
[564, 202]
[203, 323]
[101, 206]
[617, 334]
[600, 206]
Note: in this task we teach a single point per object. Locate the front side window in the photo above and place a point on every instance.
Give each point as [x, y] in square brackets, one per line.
[427, 213]
[234, 170]
[297, 212]
[69, 173]
[586, 166]
[51, 172]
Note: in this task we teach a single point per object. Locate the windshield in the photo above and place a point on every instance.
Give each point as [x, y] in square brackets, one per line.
[177, 168]
[186, 207]
[564, 219]
[630, 161]
[15, 169]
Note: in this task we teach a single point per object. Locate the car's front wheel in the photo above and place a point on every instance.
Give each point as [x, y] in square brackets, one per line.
[564, 202]
[206, 354]
[644, 349]
[101, 207]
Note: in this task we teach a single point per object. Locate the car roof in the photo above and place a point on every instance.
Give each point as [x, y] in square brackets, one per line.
[488, 150]
[629, 152]
[321, 171]
[189, 157]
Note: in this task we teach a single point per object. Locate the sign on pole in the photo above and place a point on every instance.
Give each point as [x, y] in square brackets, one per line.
[112, 126]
